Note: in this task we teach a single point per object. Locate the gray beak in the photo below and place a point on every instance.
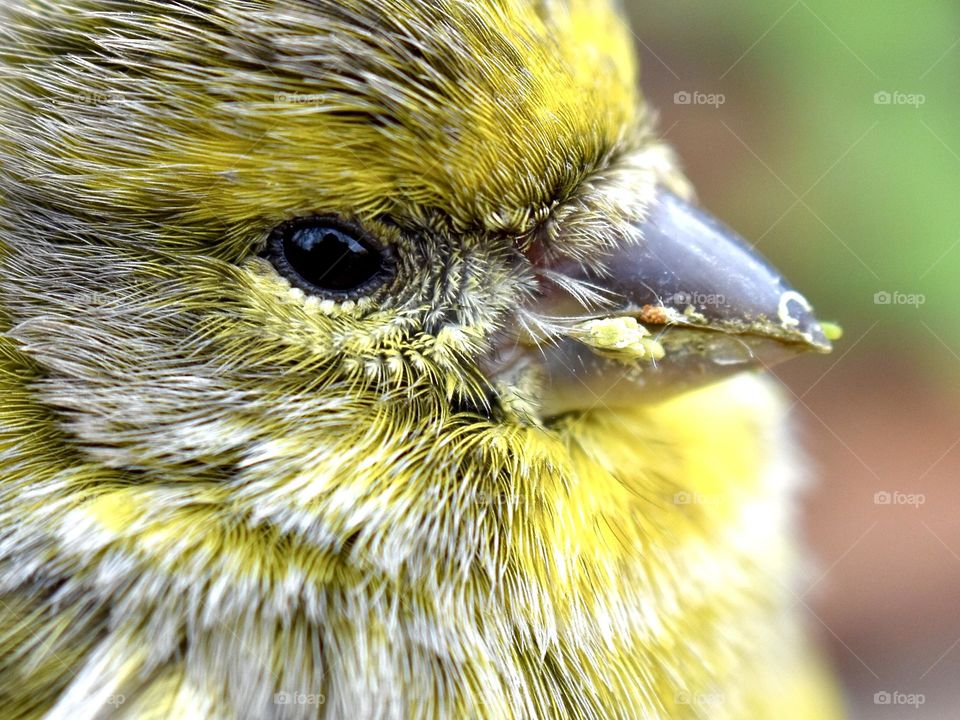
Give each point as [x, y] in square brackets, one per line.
[705, 303]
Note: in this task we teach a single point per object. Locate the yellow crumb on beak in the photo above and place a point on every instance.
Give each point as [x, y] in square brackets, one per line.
[619, 338]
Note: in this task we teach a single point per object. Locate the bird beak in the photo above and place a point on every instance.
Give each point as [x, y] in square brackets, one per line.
[688, 304]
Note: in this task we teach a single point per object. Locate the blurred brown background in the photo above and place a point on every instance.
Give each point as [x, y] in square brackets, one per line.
[828, 132]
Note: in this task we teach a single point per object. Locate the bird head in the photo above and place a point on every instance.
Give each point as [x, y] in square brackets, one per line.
[323, 252]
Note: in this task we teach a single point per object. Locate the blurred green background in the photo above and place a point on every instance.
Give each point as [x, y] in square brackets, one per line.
[828, 132]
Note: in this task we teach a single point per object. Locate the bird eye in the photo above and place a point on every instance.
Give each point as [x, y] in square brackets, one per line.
[329, 257]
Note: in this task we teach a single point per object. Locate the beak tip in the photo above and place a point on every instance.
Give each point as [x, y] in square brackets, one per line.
[818, 340]
[801, 325]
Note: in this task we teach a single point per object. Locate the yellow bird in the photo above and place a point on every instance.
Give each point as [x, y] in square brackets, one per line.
[371, 359]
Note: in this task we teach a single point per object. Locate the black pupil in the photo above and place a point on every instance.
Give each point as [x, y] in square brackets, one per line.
[329, 258]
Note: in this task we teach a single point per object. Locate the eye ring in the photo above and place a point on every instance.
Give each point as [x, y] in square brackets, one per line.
[330, 257]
